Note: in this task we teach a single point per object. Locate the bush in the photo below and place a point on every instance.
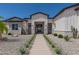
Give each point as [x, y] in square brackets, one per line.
[22, 51]
[53, 46]
[27, 45]
[32, 39]
[58, 51]
[27, 51]
[9, 34]
[55, 34]
[66, 38]
[60, 36]
[49, 41]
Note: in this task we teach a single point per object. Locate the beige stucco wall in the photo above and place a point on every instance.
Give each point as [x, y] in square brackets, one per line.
[39, 18]
[9, 24]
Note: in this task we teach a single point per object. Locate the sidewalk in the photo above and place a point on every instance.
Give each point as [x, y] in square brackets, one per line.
[40, 46]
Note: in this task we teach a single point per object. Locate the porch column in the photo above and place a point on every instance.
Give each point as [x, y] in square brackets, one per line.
[45, 28]
[33, 28]
[52, 28]
[27, 29]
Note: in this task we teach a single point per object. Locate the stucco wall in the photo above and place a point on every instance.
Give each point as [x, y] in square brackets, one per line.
[39, 18]
[67, 19]
[14, 31]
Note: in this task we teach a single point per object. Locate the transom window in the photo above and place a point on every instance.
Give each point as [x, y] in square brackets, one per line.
[14, 26]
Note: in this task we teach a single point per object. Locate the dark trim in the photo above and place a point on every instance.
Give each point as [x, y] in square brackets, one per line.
[40, 13]
[9, 20]
[25, 19]
[43, 14]
[65, 9]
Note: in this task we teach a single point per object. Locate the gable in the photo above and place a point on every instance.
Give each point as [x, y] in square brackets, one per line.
[14, 19]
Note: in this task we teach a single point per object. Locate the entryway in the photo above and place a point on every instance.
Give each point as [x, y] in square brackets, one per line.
[39, 27]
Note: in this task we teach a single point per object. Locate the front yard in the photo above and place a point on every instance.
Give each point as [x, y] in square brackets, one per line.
[70, 47]
[13, 44]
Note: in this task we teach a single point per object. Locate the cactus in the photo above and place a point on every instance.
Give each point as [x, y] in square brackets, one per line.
[74, 32]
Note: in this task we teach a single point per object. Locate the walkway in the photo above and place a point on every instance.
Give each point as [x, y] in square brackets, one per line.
[40, 47]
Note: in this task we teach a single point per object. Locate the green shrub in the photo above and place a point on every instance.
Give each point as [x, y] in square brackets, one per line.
[32, 39]
[9, 34]
[27, 51]
[22, 51]
[27, 45]
[58, 51]
[53, 46]
[55, 34]
[49, 41]
[60, 36]
[67, 38]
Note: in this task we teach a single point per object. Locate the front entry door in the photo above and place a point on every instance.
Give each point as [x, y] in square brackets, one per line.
[39, 28]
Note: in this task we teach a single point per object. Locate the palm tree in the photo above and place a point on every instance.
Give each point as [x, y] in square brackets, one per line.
[3, 28]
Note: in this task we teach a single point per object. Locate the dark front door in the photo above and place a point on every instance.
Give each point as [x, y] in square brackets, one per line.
[39, 28]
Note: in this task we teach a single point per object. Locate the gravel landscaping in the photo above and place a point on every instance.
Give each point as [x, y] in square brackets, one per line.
[68, 48]
[12, 45]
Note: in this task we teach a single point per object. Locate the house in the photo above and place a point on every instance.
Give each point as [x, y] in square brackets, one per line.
[37, 23]
[41, 23]
[66, 18]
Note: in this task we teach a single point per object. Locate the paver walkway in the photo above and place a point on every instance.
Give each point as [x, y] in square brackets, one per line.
[40, 46]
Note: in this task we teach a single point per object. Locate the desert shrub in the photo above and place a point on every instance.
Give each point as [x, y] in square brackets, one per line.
[22, 51]
[9, 33]
[27, 51]
[49, 41]
[32, 39]
[53, 46]
[67, 38]
[29, 43]
[55, 34]
[26, 45]
[74, 32]
[60, 36]
[57, 50]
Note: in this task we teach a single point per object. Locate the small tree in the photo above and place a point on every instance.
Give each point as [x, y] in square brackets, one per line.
[74, 32]
[3, 27]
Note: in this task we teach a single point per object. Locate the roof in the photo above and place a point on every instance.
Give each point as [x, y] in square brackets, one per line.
[65, 9]
[39, 13]
[25, 19]
[10, 19]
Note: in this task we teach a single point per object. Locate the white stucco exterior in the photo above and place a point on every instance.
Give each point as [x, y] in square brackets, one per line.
[29, 25]
[40, 22]
[66, 19]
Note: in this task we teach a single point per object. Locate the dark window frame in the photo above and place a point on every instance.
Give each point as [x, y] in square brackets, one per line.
[14, 26]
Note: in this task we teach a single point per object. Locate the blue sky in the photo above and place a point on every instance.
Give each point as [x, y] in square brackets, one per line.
[24, 10]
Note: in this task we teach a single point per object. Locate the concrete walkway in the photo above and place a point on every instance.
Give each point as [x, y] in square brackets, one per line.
[40, 46]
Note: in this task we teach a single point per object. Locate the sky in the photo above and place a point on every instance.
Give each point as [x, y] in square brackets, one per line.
[24, 10]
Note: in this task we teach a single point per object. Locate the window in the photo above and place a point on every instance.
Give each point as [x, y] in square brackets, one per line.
[77, 11]
[14, 26]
